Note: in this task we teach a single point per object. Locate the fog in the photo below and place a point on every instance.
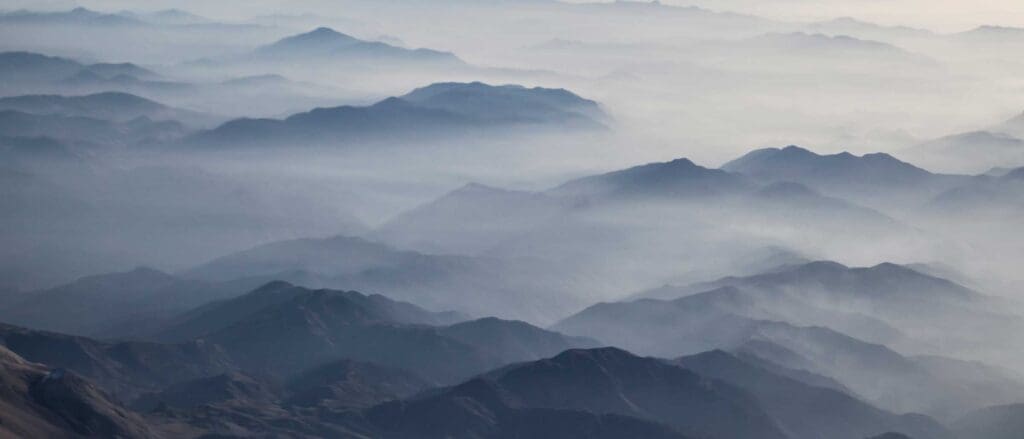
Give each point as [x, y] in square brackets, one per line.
[839, 179]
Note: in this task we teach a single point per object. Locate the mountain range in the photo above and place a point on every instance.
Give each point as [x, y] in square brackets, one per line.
[438, 110]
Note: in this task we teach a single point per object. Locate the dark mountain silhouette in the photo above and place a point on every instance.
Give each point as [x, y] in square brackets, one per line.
[843, 170]
[219, 315]
[307, 328]
[997, 422]
[55, 403]
[508, 102]
[679, 178]
[805, 411]
[612, 381]
[438, 110]
[330, 45]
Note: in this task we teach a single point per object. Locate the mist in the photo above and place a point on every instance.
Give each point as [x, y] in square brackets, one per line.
[825, 195]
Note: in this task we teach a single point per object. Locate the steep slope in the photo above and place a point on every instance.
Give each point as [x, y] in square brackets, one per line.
[125, 369]
[36, 401]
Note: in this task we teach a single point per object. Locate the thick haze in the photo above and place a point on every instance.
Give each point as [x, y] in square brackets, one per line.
[818, 201]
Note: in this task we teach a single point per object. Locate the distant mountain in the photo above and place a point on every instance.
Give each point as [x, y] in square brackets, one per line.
[804, 411]
[88, 129]
[56, 403]
[326, 44]
[997, 422]
[308, 328]
[355, 308]
[679, 178]
[434, 111]
[971, 152]
[111, 106]
[35, 68]
[799, 165]
[728, 318]
[481, 285]
[470, 219]
[600, 381]
[508, 102]
[124, 369]
[983, 197]
[871, 177]
[106, 305]
[862, 29]
[74, 17]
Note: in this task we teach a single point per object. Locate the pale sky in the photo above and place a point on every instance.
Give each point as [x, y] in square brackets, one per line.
[939, 15]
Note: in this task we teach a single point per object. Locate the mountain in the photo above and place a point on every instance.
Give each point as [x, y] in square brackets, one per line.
[88, 129]
[439, 110]
[507, 288]
[55, 403]
[308, 328]
[105, 305]
[111, 106]
[508, 102]
[20, 67]
[512, 341]
[75, 17]
[678, 178]
[796, 164]
[470, 219]
[360, 309]
[326, 44]
[997, 422]
[351, 384]
[229, 386]
[729, 318]
[866, 30]
[983, 197]
[25, 70]
[971, 152]
[806, 411]
[601, 381]
[124, 369]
